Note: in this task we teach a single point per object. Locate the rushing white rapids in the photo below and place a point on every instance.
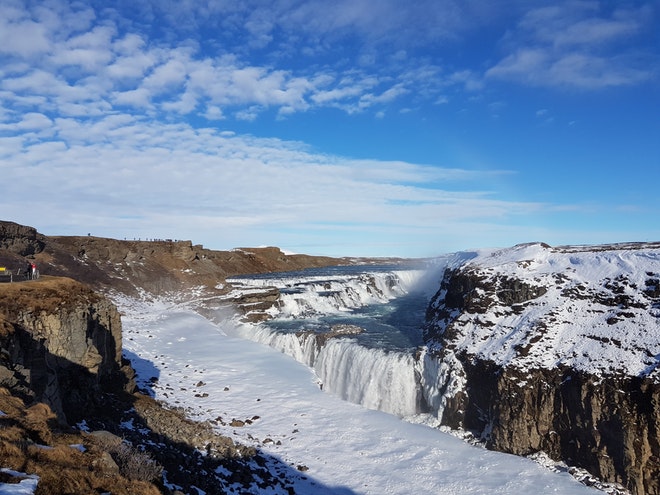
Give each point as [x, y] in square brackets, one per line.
[321, 294]
[377, 378]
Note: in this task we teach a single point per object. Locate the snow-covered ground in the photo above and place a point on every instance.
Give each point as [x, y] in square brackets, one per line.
[26, 486]
[347, 449]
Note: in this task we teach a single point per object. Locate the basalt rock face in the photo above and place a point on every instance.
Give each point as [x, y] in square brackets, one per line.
[556, 350]
[20, 240]
[61, 345]
[608, 426]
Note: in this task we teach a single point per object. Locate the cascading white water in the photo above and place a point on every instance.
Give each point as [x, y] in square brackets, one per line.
[391, 381]
[319, 295]
[371, 377]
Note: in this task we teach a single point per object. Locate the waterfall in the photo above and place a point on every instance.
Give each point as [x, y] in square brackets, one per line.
[404, 384]
[373, 378]
[306, 296]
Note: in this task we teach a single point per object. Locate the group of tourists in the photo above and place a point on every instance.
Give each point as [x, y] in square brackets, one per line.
[31, 272]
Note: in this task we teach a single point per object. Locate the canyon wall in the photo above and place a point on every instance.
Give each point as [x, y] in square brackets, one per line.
[61, 344]
[556, 360]
[609, 426]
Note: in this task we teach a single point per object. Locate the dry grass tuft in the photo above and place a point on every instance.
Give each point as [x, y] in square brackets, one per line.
[46, 294]
[132, 462]
[39, 419]
[62, 468]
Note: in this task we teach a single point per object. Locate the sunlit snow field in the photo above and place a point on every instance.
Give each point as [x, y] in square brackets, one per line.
[346, 448]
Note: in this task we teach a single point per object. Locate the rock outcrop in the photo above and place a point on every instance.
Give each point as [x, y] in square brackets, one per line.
[556, 350]
[61, 345]
[61, 356]
[161, 266]
[20, 239]
[134, 267]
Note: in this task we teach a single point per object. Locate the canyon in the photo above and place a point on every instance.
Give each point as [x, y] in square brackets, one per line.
[530, 349]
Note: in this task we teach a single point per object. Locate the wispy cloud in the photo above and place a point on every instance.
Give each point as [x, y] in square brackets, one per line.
[118, 168]
[580, 45]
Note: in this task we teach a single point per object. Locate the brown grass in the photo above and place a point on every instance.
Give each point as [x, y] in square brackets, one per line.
[45, 294]
[30, 443]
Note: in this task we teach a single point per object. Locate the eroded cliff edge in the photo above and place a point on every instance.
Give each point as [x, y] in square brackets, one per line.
[556, 350]
[61, 345]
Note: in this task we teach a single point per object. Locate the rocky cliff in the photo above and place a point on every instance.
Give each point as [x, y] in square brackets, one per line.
[20, 240]
[61, 345]
[556, 350]
[145, 267]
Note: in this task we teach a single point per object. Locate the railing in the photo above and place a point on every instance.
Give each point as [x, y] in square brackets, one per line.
[6, 275]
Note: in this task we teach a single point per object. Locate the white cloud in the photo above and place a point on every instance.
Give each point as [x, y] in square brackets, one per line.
[336, 94]
[118, 167]
[575, 44]
[90, 50]
[25, 38]
[540, 67]
[582, 23]
[169, 75]
[31, 121]
[214, 113]
[249, 114]
[140, 97]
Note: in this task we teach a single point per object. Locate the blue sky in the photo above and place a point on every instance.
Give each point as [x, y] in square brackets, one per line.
[352, 127]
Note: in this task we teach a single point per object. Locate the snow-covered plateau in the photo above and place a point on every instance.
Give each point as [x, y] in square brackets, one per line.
[592, 309]
[370, 379]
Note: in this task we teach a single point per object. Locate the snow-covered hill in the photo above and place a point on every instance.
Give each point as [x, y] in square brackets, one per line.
[594, 309]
